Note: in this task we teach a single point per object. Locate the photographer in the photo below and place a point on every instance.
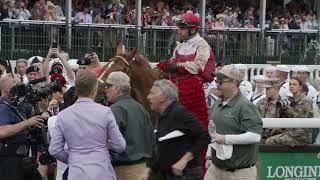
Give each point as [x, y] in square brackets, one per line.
[268, 105]
[14, 149]
[56, 67]
[57, 104]
[298, 107]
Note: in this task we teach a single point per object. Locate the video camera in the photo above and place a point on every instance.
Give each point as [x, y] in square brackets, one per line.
[32, 94]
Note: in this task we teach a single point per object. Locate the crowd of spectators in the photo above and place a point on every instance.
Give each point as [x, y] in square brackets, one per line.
[293, 16]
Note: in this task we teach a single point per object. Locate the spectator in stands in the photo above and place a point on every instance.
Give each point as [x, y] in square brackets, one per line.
[22, 12]
[114, 15]
[299, 107]
[83, 16]
[21, 66]
[37, 12]
[219, 21]
[9, 11]
[118, 4]
[51, 14]
[249, 22]
[294, 23]
[166, 19]
[234, 23]
[304, 23]
[275, 24]
[283, 23]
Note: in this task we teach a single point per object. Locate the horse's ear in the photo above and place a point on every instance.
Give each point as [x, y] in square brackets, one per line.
[121, 49]
[133, 52]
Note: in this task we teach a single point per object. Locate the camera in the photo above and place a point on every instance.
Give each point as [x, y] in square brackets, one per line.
[283, 103]
[31, 94]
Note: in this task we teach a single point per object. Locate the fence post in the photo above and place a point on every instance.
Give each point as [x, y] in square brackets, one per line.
[138, 24]
[12, 41]
[68, 26]
[262, 26]
[203, 16]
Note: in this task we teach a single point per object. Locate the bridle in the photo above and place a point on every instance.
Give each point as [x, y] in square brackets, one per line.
[129, 65]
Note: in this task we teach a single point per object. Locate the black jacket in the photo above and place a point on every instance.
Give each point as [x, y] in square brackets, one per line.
[176, 117]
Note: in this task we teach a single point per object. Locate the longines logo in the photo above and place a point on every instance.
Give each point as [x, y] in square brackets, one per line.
[293, 172]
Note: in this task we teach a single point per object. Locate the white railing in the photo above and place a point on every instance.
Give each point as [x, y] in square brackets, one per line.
[158, 27]
[253, 69]
[291, 122]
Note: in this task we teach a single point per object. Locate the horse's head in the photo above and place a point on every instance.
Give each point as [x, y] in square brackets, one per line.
[129, 62]
[138, 69]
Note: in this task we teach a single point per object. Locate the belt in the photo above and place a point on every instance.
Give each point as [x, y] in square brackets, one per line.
[234, 169]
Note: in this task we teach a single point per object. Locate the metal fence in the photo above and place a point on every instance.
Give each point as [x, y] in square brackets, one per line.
[23, 39]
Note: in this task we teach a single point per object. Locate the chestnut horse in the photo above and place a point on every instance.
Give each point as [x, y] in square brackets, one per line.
[141, 74]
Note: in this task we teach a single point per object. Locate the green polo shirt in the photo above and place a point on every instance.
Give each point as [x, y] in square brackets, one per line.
[238, 116]
[135, 126]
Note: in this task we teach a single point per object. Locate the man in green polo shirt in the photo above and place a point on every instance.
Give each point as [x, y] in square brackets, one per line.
[134, 125]
[238, 128]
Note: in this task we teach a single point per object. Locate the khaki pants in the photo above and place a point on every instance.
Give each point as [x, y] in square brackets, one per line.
[130, 172]
[215, 173]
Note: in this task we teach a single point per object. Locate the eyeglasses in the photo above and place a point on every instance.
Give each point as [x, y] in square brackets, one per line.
[219, 83]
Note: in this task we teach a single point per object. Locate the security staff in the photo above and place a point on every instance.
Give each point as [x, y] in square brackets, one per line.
[13, 137]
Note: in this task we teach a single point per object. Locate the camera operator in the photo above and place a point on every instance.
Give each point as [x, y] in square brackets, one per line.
[14, 149]
[299, 106]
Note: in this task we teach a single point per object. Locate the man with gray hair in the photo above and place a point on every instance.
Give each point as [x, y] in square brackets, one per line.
[135, 126]
[180, 137]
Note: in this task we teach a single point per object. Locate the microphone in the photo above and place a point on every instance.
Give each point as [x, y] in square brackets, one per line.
[36, 81]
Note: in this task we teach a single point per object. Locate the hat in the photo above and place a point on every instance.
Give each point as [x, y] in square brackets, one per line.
[273, 82]
[32, 69]
[301, 68]
[259, 78]
[283, 68]
[229, 71]
[118, 78]
[62, 80]
[57, 63]
[38, 59]
[241, 66]
[220, 16]
[84, 61]
[3, 62]
[73, 64]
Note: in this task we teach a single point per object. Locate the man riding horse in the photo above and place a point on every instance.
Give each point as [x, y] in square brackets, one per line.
[190, 66]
